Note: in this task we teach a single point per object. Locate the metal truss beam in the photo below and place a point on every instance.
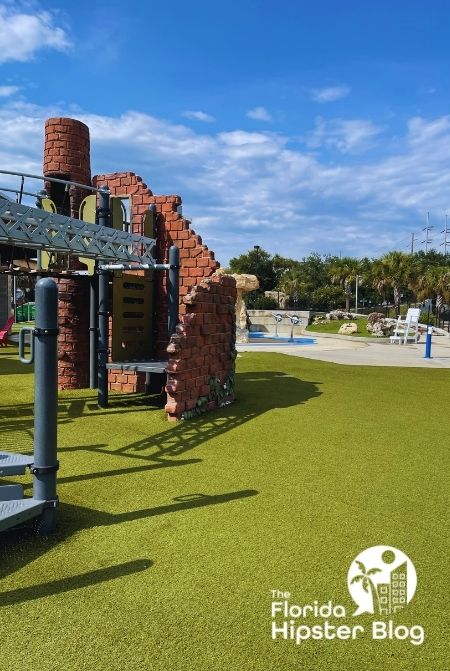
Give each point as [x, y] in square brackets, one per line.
[31, 227]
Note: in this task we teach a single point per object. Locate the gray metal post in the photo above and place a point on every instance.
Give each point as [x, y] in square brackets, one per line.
[39, 197]
[45, 402]
[173, 288]
[103, 301]
[93, 335]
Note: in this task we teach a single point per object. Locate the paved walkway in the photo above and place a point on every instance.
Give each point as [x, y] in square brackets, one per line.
[356, 353]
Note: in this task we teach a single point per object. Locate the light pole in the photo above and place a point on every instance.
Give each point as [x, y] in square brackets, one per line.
[257, 248]
[356, 294]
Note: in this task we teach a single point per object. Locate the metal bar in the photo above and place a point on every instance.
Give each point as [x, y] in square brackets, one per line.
[93, 333]
[104, 219]
[173, 288]
[20, 194]
[45, 463]
[131, 266]
[16, 191]
[52, 179]
[32, 227]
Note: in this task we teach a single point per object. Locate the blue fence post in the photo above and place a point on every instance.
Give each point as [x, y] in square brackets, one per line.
[428, 342]
[45, 463]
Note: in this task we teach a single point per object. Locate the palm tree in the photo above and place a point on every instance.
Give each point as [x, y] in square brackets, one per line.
[293, 284]
[366, 581]
[435, 282]
[395, 270]
[345, 271]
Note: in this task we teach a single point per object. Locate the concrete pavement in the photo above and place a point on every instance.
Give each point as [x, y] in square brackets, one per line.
[357, 353]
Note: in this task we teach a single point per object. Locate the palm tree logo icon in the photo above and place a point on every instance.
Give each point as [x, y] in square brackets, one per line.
[385, 588]
[366, 581]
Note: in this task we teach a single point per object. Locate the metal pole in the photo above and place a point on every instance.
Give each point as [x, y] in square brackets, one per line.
[356, 294]
[39, 198]
[104, 219]
[93, 335]
[45, 463]
[173, 288]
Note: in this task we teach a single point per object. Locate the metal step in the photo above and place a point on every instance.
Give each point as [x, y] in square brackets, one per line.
[150, 366]
[11, 492]
[19, 511]
[14, 464]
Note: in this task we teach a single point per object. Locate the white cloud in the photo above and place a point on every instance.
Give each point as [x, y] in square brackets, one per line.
[7, 91]
[23, 35]
[259, 113]
[244, 188]
[198, 116]
[348, 136]
[330, 93]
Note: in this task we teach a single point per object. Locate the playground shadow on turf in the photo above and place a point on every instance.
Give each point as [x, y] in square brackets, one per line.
[258, 393]
[22, 546]
[22, 594]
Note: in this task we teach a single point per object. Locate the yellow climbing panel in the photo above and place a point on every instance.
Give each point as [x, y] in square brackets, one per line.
[132, 316]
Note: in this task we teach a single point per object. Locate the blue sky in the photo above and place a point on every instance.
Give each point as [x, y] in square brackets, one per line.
[297, 126]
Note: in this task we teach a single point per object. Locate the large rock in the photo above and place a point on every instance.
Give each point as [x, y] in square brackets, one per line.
[380, 326]
[348, 328]
[244, 283]
[339, 314]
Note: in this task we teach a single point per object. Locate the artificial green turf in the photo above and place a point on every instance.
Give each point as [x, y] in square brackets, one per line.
[171, 536]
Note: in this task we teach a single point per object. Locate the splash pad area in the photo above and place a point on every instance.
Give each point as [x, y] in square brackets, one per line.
[262, 338]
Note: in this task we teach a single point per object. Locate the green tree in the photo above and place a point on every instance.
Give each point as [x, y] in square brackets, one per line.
[435, 283]
[344, 272]
[366, 581]
[294, 285]
[327, 298]
[256, 262]
[394, 271]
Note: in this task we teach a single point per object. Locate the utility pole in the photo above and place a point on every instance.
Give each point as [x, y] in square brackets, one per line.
[413, 239]
[446, 231]
[427, 228]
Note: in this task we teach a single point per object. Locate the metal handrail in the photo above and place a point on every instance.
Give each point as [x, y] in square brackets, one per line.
[54, 179]
[17, 192]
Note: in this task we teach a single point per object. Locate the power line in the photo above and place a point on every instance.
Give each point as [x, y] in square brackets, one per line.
[427, 228]
[446, 231]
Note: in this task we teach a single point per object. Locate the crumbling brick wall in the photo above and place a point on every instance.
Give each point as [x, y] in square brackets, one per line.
[197, 261]
[202, 351]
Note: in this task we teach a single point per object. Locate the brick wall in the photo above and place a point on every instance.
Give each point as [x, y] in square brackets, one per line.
[73, 338]
[197, 261]
[202, 351]
[67, 156]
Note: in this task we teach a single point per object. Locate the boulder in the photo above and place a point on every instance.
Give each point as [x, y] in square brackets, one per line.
[380, 326]
[339, 314]
[244, 283]
[348, 328]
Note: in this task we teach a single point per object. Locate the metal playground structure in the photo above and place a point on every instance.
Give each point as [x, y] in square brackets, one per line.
[32, 227]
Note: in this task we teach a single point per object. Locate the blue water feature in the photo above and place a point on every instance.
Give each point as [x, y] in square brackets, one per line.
[261, 338]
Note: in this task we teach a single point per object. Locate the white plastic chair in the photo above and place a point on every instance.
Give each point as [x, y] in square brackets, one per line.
[407, 329]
